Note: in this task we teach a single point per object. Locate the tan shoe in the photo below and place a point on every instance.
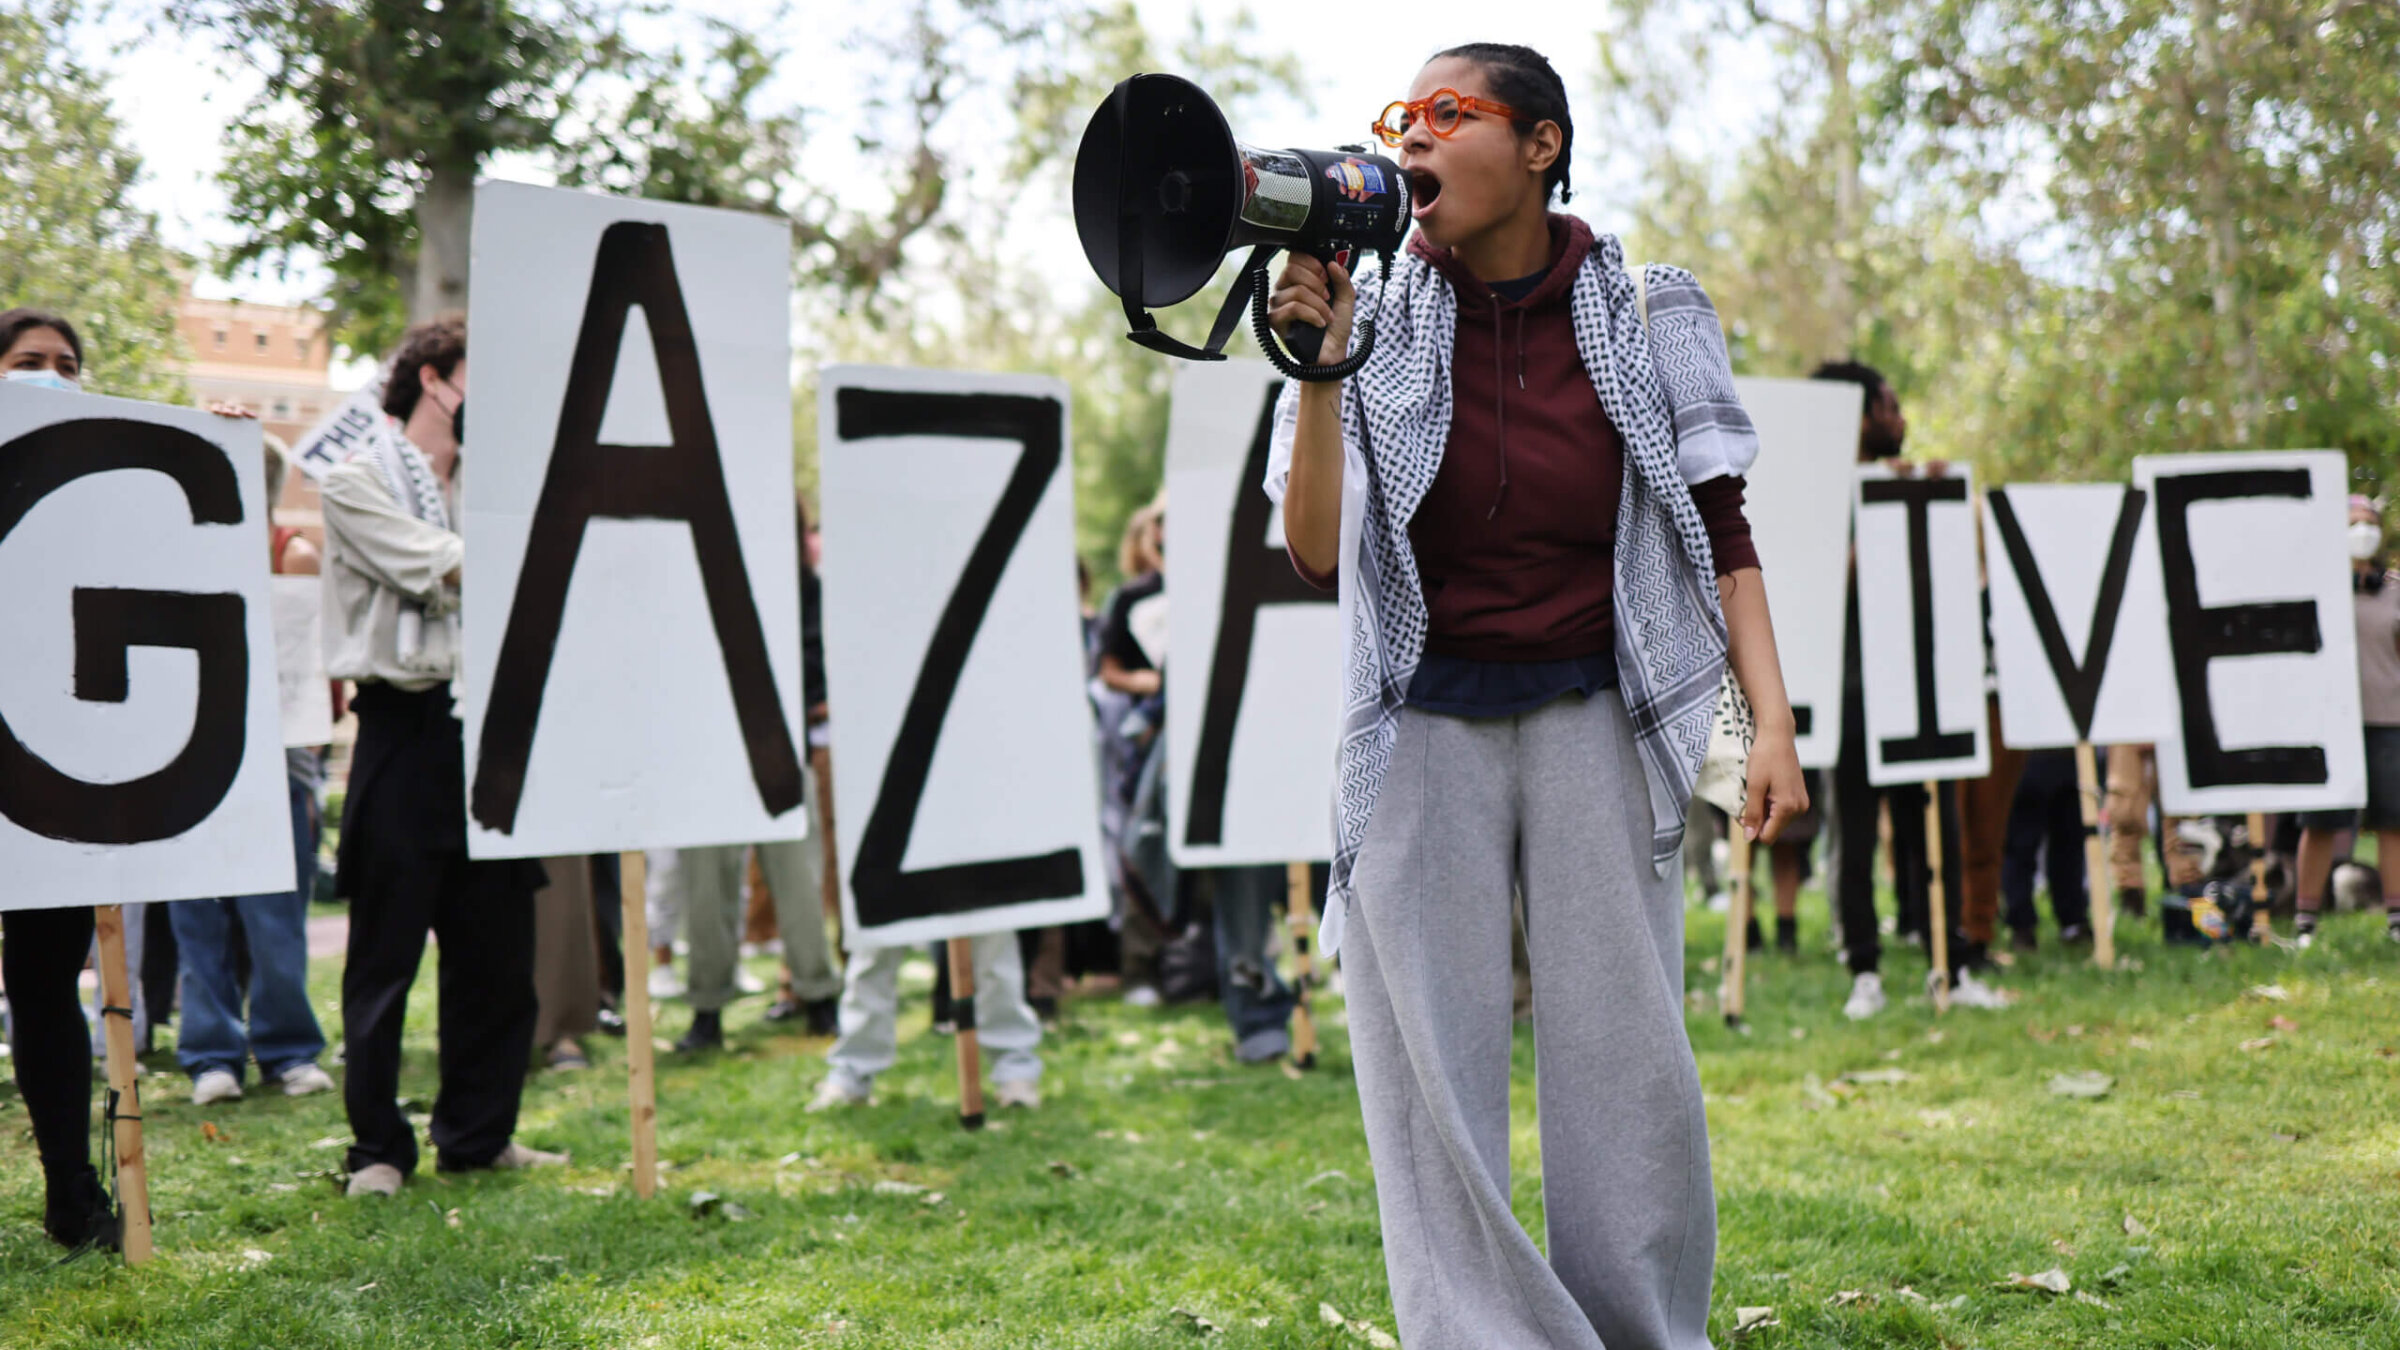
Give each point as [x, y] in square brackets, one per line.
[375, 1179]
[517, 1157]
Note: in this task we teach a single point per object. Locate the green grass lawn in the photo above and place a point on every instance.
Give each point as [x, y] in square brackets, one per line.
[2216, 1196]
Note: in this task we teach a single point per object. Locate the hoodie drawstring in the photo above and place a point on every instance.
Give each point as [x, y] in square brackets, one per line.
[1500, 394]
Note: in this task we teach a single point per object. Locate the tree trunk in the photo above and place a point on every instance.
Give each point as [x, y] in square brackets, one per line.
[1841, 131]
[2234, 324]
[445, 211]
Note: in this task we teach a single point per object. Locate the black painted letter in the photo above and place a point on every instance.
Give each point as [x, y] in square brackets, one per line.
[1917, 494]
[1257, 574]
[885, 893]
[2197, 635]
[2080, 684]
[160, 805]
[684, 481]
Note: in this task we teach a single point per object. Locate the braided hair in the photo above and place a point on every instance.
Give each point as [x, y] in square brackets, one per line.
[1523, 79]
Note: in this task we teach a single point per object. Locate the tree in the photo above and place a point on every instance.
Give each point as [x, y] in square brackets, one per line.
[71, 239]
[362, 149]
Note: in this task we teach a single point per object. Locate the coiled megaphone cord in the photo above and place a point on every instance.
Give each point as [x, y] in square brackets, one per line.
[1309, 374]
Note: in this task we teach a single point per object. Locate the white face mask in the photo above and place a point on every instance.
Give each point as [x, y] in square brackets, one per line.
[2364, 540]
[46, 379]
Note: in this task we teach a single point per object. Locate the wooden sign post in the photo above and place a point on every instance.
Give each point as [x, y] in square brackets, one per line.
[1303, 917]
[1937, 904]
[2095, 860]
[1737, 929]
[641, 1064]
[962, 1012]
[2262, 920]
[124, 1094]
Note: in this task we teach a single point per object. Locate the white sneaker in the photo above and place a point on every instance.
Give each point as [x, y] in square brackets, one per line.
[1866, 997]
[1142, 996]
[1024, 1092]
[302, 1080]
[1974, 993]
[375, 1179]
[746, 982]
[216, 1085]
[834, 1094]
[1719, 902]
[665, 983]
[516, 1158]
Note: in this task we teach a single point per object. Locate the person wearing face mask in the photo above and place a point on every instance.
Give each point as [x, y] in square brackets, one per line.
[392, 561]
[2375, 604]
[42, 951]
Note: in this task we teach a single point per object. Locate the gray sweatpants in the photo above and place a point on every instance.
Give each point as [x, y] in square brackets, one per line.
[1555, 801]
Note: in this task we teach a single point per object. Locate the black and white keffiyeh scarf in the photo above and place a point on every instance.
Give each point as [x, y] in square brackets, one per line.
[1668, 388]
[408, 474]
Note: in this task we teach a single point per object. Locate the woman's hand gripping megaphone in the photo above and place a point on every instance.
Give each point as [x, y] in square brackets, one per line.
[1318, 294]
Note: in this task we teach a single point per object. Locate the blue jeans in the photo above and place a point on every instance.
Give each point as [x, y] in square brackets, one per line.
[1247, 900]
[282, 1032]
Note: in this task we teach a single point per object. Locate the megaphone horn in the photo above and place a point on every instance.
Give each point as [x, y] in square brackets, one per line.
[1163, 191]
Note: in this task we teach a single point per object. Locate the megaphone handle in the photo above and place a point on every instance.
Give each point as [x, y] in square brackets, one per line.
[1305, 340]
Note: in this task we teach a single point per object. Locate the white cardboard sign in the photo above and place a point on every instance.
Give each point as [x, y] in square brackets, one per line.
[1797, 500]
[354, 423]
[2256, 578]
[954, 653]
[303, 690]
[630, 669]
[1254, 705]
[2077, 631]
[1920, 627]
[141, 755]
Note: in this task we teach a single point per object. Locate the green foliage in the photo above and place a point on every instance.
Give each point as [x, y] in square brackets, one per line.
[375, 117]
[71, 239]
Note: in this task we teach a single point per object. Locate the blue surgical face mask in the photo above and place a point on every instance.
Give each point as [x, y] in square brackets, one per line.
[47, 379]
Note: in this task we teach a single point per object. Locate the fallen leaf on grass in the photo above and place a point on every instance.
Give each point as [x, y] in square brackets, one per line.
[2094, 1300]
[1876, 1077]
[1199, 1324]
[2083, 1083]
[210, 1132]
[2135, 1227]
[891, 1187]
[933, 1198]
[2115, 1274]
[365, 1287]
[2052, 1281]
[1064, 1169]
[452, 1219]
[1813, 1088]
[1843, 1298]
[1747, 1320]
[2272, 993]
[2282, 1023]
[2258, 1043]
[1373, 1335]
[252, 1256]
[1292, 1071]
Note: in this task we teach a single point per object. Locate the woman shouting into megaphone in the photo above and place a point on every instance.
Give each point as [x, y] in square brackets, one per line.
[1530, 498]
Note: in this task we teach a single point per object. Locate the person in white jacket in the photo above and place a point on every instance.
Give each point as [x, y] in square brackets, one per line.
[392, 560]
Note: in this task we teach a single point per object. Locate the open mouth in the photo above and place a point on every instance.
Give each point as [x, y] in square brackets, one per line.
[1423, 191]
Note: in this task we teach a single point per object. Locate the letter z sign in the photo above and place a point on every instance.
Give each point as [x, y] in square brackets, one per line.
[954, 656]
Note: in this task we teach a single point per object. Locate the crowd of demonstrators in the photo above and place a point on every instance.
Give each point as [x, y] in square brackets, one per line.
[2375, 607]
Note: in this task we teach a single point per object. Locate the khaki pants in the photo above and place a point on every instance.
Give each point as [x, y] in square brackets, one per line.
[2132, 783]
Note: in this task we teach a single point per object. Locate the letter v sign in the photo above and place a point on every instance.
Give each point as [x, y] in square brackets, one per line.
[683, 481]
[2079, 684]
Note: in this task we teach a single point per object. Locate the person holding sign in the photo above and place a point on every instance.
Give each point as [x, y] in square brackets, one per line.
[391, 618]
[1547, 573]
[2375, 604]
[216, 1040]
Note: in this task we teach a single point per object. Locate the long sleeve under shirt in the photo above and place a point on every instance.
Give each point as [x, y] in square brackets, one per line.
[1515, 542]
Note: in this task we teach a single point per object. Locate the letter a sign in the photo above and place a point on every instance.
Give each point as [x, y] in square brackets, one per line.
[632, 611]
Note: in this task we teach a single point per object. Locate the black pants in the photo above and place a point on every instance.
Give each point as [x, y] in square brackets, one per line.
[2047, 815]
[405, 870]
[41, 955]
[1854, 805]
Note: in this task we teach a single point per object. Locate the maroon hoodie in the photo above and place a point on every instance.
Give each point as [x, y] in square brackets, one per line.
[1516, 540]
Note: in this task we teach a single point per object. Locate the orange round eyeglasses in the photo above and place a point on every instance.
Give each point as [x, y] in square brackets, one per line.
[1442, 111]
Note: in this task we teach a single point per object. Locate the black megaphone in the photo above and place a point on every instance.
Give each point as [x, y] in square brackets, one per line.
[1163, 191]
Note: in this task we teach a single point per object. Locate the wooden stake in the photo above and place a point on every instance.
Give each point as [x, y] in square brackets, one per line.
[1303, 918]
[116, 1020]
[1737, 927]
[1937, 904]
[2262, 923]
[641, 1065]
[2095, 860]
[970, 1052]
